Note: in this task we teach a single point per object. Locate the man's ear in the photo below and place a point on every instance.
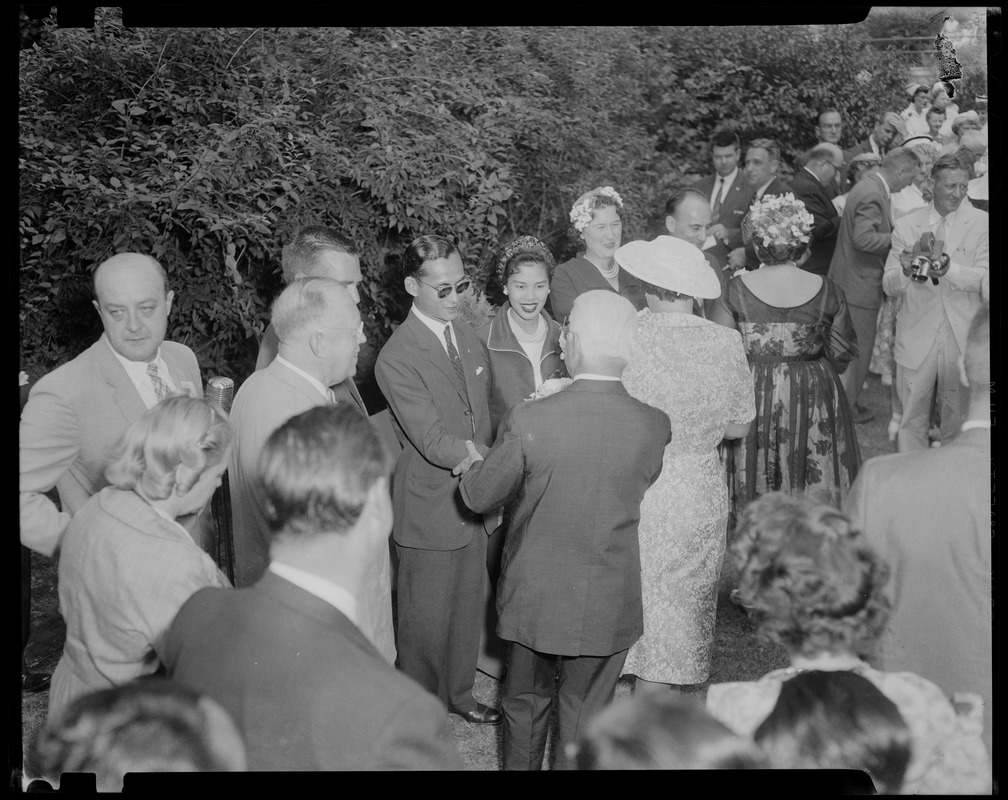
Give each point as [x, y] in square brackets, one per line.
[316, 342]
[168, 301]
[670, 223]
[97, 307]
[412, 286]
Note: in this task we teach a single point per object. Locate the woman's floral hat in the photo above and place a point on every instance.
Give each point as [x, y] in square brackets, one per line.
[581, 212]
[778, 219]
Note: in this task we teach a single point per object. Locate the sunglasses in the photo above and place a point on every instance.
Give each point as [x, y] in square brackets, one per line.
[444, 291]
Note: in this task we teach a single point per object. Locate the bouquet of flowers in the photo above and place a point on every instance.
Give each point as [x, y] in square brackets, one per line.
[778, 221]
[550, 386]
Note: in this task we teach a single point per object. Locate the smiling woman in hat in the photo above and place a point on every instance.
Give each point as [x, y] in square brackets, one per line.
[695, 371]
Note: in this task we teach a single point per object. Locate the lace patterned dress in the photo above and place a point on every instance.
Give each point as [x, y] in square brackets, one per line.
[695, 371]
[948, 755]
[803, 438]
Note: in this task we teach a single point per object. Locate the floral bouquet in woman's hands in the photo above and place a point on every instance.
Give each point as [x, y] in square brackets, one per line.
[550, 386]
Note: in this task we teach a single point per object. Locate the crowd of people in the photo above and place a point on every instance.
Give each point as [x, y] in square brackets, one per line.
[560, 486]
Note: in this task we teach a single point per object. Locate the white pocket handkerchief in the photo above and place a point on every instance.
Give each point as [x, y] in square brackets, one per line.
[479, 370]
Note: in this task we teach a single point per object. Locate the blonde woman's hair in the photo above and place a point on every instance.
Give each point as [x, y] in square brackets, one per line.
[178, 431]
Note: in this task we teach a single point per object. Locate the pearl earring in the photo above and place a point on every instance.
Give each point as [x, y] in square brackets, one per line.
[505, 291]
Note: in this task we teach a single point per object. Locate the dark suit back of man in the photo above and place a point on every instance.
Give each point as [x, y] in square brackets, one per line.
[817, 200]
[305, 687]
[570, 575]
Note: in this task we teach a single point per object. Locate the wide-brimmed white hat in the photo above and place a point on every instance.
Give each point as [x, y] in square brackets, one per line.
[672, 264]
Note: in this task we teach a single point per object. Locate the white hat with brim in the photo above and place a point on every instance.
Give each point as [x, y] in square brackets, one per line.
[670, 263]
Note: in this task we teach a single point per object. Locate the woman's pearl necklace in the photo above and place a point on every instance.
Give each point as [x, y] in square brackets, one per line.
[529, 338]
[610, 273]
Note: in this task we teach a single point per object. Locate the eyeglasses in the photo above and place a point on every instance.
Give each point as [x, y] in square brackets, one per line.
[359, 329]
[444, 291]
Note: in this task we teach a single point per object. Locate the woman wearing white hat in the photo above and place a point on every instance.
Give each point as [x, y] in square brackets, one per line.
[696, 372]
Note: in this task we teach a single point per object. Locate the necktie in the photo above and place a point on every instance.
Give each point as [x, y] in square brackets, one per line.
[453, 355]
[716, 198]
[160, 387]
[941, 233]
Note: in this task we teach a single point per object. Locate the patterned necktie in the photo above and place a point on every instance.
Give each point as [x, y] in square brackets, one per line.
[453, 355]
[716, 205]
[160, 387]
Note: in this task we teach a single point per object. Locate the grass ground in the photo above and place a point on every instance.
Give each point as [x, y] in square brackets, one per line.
[738, 653]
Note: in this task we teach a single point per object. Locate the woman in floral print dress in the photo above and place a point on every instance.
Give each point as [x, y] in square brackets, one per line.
[798, 337]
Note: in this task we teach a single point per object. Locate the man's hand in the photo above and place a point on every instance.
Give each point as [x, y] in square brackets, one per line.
[941, 264]
[737, 258]
[906, 262]
[474, 455]
[719, 232]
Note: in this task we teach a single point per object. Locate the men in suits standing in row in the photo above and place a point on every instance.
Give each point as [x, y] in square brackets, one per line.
[932, 323]
[928, 513]
[688, 217]
[889, 131]
[863, 242]
[729, 195]
[287, 657]
[812, 184]
[79, 411]
[318, 252]
[762, 163]
[577, 464]
[433, 372]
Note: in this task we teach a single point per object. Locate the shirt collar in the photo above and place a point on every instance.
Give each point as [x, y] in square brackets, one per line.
[874, 145]
[333, 594]
[975, 423]
[324, 390]
[810, 172]
[934, 217]
[591, 376]
[436, 326]
[763, 188]
[137, 370]
[728, 179]
[885, 184]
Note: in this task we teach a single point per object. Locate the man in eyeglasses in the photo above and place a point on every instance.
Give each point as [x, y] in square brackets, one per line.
[812, 185]
[434, 374]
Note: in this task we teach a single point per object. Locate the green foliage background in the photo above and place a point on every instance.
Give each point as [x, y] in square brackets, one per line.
[207, 147]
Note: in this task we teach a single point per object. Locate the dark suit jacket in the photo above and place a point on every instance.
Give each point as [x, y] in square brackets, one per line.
[775, 187]
[576, 465]
[433, 422]
[863, 242]
[928, 513]
[578, 276]
[733, 209]
[304, 686]
[816, 197]
[345, 391]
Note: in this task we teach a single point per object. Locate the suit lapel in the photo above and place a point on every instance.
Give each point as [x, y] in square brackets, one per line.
[177, 374]
[957, 232]
[468, 363]
[436, 353]
[123, 391]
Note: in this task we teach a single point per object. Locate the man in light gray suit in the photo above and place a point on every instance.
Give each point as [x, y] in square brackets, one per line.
[78, 412]
[863, 242]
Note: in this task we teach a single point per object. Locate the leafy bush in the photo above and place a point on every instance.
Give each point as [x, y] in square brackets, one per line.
[207, 148]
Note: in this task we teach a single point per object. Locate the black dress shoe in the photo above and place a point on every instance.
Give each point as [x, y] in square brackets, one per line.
[35, 682]
[482, 715]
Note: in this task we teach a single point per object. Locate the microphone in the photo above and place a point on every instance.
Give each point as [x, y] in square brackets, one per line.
[220, 392]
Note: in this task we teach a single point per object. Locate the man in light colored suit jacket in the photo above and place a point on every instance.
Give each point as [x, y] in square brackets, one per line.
[319, 329]
[931, 324]
[318, 252]
[576, 464]
[928, 513]
[434, 373]
[77, 413]
[863, 242]
[287, 657]
[732, 197]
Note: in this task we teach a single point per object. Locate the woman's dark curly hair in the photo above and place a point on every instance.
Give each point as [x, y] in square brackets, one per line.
[813, 582]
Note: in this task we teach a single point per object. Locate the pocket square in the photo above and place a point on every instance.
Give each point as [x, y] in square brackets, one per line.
[479, 370]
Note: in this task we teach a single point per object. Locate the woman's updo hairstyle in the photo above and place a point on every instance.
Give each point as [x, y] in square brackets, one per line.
[180, 431]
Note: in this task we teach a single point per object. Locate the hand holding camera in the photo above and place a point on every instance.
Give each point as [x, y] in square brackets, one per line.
[927, 260]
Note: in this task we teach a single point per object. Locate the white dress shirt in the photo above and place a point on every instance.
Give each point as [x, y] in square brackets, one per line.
[137, 372]
[333, 594]
[436, 327]
[323, 390]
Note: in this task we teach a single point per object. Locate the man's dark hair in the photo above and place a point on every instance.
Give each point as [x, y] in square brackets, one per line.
[424, 249]
[301, 252]
[934, 110]
[725, 138]
[674, 202]
[947, 162]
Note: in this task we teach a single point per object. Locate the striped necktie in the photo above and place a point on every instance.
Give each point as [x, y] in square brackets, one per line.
[453, 354]
[160, 387]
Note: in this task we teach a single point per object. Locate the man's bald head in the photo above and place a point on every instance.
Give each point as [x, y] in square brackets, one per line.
[133, 301]
[113, 267]
[603, 331]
